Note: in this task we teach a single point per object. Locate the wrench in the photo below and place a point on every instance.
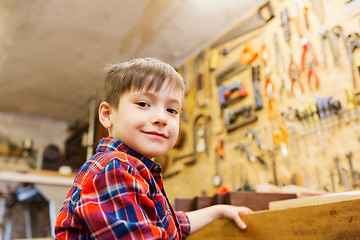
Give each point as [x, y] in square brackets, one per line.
[338, 33]
[325, 36]
[354, 43]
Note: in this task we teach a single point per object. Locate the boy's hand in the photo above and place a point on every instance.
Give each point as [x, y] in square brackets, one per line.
[202, 217]
[234, 212]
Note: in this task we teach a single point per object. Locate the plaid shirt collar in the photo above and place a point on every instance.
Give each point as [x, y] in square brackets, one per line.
[112, 144]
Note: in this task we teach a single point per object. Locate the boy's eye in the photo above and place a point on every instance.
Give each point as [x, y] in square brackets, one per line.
[172, 111]
[143, 104]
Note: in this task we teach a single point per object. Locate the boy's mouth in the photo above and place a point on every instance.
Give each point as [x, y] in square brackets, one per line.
[156, 134]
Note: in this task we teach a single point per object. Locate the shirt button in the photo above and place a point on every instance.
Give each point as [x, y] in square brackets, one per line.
[156, 169]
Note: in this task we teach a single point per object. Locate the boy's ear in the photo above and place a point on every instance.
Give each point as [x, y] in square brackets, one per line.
[104, 115]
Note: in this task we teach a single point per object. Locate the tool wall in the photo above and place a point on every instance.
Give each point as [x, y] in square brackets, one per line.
[277, 103]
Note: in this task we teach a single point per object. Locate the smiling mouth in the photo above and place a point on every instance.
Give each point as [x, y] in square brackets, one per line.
[157, 134]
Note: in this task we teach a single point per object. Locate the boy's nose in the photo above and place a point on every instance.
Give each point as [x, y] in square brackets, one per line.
[160, 119]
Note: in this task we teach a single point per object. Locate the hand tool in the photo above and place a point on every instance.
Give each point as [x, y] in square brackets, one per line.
[325, 36]
[214, 59]
[332, 178]
[304, 7]
[306, 46]
[201, 145]
[294, 17]
[285, 24]
[338, 33]
[247, 55]
[226, 51]
[354, 43]
[262, 162]
[245, 148]
[269, 88]
[184, 71]
[334, 105]
[217, 180]
[235, 90]
[195, 139]
[231, 116]
[256, 85]
[353, 172]
[351, 109]
[346, 179]
[280, 136]
[312, 75]
[254, 134]
[299, 115]
[272, 155]
[263, 15]
[289, 123]
[350, 6]
[326, 109]
[272, 103]
[314, 117]
[340, 176]
[318, 9]
[321, 113]
[229, 71]
[197, 64]
[201, 91]
[294, 74]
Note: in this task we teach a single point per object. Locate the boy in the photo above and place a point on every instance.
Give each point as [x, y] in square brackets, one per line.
[118, 193]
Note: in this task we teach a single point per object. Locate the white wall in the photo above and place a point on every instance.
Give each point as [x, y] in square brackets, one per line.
[43, 131]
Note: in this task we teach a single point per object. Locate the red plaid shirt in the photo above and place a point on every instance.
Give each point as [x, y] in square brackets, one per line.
[119, 194]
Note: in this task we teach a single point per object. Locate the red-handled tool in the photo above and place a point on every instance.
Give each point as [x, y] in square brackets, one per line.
[306, 46]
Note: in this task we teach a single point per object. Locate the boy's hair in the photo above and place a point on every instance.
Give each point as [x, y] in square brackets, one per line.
[140, 74]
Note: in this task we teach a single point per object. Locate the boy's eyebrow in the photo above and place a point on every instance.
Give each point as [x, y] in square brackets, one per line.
[154, 94]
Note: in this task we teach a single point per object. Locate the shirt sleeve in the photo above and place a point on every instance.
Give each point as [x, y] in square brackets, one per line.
[184, 223]
[115, 205]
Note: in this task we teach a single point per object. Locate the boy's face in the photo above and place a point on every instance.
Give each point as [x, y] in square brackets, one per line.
[148, 121]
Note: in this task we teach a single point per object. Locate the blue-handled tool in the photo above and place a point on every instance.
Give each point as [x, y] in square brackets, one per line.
[231, 93]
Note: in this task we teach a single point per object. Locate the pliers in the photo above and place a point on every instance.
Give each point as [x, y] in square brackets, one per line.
[294, 73]
[306, 46]
[312, 73]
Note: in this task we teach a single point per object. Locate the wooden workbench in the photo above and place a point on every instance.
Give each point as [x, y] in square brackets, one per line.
[333, 216]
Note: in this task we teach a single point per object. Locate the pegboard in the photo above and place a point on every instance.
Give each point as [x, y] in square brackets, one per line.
[312, 145]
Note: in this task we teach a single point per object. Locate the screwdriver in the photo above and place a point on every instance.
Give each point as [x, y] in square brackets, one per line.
[351, 108]
[314, 117]
[321, 111]
[300, 117]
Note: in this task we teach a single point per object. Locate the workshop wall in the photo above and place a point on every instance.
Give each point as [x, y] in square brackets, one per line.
[16, 127]
[209, 147]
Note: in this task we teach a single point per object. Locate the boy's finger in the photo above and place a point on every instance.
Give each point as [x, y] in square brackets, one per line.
[240, 223]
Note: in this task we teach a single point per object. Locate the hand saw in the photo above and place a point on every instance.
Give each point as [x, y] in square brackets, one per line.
[263, 15]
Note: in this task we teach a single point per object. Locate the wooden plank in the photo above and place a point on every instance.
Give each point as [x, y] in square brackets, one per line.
[38, 177]
[336, 220]
[256, 201]
[308, 201]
